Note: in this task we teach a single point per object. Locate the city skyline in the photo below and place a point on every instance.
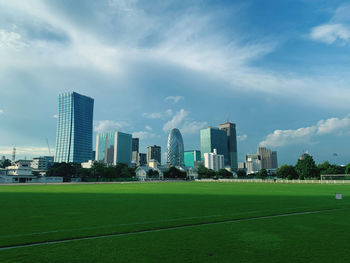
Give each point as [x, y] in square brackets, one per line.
[283, 83]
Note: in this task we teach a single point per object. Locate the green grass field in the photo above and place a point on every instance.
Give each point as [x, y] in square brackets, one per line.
[38, 213]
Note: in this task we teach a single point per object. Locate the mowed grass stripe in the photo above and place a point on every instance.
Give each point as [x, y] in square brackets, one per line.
[167, 228]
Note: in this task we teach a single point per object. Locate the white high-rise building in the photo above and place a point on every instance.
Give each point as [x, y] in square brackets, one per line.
[214, 161]
[253, 163]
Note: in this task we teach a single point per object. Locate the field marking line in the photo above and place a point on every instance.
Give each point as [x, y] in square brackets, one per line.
[145, 222]
[161, 229]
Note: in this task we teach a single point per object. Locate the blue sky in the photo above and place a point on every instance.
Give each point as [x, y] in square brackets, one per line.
[278, 69]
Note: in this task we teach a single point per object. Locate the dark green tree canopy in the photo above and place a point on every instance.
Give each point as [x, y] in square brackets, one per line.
[287, 171]
[306, 168]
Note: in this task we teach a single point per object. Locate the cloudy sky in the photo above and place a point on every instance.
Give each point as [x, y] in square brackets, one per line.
[278, 69]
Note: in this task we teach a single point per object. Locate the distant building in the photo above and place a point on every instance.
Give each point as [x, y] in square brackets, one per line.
[253, 162]
[265, 155]
[20, 168]
[135, 150]
[230, 129]
[113, 147]
[175, 149]
[190, 157]
[274, 161]
[213, 138]
[242, 165]
[214, 161]
[74, 128]
[142, 159]
[87, 165]
[42, 162]
[154, 153]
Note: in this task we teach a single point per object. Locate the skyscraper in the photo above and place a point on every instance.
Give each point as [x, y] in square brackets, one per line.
[74, 128]
[214, 161]
[113, 147]
[214, 138]
[265, 155]
[230, 129]
[135, 150]
[154, 152]
[274, 162]
[175, 148]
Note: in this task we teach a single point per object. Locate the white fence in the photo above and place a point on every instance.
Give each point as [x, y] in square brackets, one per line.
[271, 181]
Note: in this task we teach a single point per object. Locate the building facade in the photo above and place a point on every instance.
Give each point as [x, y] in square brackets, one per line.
[135, 150]
[175, 149]
[113, 147]
[213, 138]
[274, 161]
[265, 155]
[190, 157]
[42, 162]
[214, 161]
[74, 128]
[232, 159]
[253, 163]
[142, 159]
[154, 153]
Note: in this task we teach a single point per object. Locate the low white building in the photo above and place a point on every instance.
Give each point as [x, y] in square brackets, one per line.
[20, 168]
[142, 171]
[214, 161]
[88, 164]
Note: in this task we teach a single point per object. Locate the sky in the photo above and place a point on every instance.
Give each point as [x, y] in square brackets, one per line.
[278, 69]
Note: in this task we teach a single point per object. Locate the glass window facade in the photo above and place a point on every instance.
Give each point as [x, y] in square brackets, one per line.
[214, 138]
[113, 148]
[74, 128]
[175, 148]
[191, 157]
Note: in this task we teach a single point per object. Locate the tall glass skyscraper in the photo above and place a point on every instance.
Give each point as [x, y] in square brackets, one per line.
[113, 147]
[175, 149]
[74, 128]
[230, 129]
[191, 157]
[214, 138]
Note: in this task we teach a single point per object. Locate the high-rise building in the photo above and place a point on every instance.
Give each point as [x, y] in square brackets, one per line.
[135, 150]
[74, 128]
[214, 138]
[190, 157]
[175, 149]
[142, 159]
[214, 161]
[42, 162]
[253, 163]
[274, 162]
[113, 147]
[265, 155]
[230, 129]
[154, 153]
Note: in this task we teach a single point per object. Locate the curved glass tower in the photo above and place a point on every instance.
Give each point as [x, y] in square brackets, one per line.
[175, 149]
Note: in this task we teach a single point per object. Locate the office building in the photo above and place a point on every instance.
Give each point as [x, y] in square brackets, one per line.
[142, 159]
[214, 161]
[135, 150]
[42, 162]
[113, 147]
[265, 155]
[154, 153]
[253, 163]
[175, 149]
[230, 129]
[213, 138]
[274, 162]
[74, 128]
[190, 157]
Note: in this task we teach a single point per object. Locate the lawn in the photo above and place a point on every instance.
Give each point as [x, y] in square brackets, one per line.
[37, 213]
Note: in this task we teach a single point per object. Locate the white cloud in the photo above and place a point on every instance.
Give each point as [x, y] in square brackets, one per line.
[143, 135]
[158, 115]
[242, 137]
[330, 33]
[28, 151]
[185, 124]
[108, 125]
[175, 122]
[287, 137]
[174, 99]
[148, 128]
[1, 111]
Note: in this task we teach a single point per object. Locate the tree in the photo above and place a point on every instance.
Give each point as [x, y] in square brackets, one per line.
[262, 174]
[241, 173]
[306, 168]
[175, 173]
[5, 163]
[327, 168]
[223, 173]
[152, 173]
[287, 171]
[347, 169]
[204, 172]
